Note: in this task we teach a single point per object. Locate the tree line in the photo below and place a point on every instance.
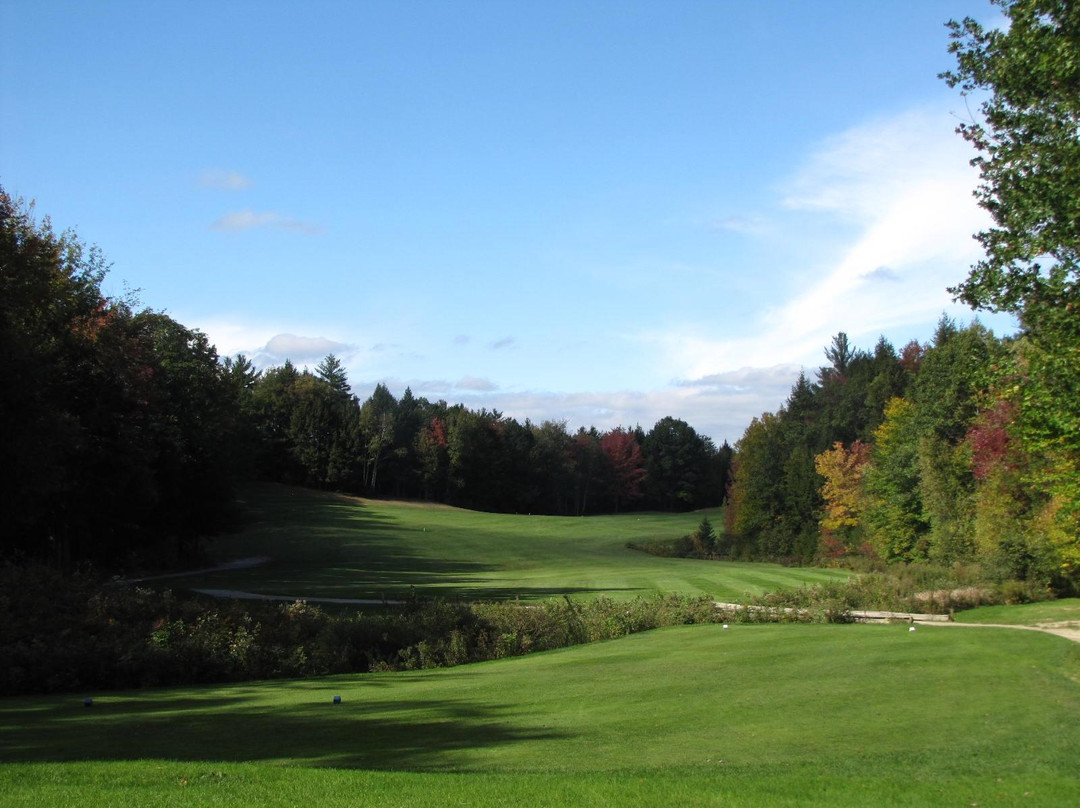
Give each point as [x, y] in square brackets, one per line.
[917, 455]
[309, 429]
[967, 448]
[125, 432]
[122, 431]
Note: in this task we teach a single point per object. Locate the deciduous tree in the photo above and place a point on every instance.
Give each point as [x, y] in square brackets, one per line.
[1028, 154]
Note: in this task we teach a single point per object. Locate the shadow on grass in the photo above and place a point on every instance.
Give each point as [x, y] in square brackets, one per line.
[416, 735]
[332, 546]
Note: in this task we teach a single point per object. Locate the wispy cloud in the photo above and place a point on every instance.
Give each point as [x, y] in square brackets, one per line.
[882, 274]
[897, 194]
[505, 342]
[745, 225]
[223, 179]
[720, 414]
[248, 220]
[719, 407]
[475, 383]
[768, 382]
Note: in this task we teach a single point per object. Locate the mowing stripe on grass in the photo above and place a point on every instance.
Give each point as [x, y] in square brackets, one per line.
[325, 545]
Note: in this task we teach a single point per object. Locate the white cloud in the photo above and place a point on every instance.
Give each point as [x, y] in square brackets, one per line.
[770, 382]
[232, 336]
[712, 408]
[751, 225]
[897, 193]
[248, 220]
[267, 344]
[719, 413]
[223, 179]
[300, 349]
[475, 383]
[882, 274]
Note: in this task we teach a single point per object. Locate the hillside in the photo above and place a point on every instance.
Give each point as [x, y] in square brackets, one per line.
[755, 715]
[326, 545]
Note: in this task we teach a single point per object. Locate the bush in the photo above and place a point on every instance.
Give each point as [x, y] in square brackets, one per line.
[64, 633]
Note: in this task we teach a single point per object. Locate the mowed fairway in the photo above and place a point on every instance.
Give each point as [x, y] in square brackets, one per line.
[755, 715]
[325, 545]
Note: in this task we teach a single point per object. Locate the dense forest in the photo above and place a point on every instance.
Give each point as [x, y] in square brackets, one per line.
[125, 433]
[307, 428]
[967, 448]
[921, 455]
[132, 432]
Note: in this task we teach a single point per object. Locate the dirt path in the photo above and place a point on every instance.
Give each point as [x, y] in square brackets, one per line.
[1067, 631]
[238, 595]
[238, 564]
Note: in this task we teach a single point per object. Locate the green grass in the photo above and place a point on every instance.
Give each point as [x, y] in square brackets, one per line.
[1066, 610]
[755, 715]
[333, 546]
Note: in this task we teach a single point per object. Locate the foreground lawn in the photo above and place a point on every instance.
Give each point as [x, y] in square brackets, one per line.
[754, 715]
[334, 546]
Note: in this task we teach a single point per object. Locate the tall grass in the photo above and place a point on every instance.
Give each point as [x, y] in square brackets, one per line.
[95, 636]
[918, 588]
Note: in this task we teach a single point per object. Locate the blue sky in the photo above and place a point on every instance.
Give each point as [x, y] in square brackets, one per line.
[596, 212]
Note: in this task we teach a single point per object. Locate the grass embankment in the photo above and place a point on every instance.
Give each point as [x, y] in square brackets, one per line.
[755, 715]
[1063, 613]
[326, 545]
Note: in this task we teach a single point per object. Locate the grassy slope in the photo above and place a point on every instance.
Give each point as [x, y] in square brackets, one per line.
[756, 715]
[1064, 611]
[334, 546]
[778, 715]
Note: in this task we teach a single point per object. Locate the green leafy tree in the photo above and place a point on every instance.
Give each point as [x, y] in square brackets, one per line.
[894, 512]
[119, 422]
[377, 424]
[478, 474]
[679, 466]
[273, 398]
[1028, 73]
[552, 461]
[756, 498]
[1028, 154]
[588, 466]
[433, 458]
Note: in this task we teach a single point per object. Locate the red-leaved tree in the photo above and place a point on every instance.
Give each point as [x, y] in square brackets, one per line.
[623, 453]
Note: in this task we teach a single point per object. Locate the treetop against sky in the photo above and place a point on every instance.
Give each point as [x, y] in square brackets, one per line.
[561, 210]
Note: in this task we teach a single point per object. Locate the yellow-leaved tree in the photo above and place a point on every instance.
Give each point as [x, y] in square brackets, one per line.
[843, 495]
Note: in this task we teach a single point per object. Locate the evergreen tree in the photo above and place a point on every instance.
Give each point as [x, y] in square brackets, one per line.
[331, 371]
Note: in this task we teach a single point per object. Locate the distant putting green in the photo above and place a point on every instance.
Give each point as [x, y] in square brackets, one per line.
[325, 545]
[805, 715]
